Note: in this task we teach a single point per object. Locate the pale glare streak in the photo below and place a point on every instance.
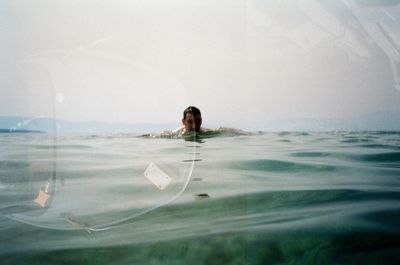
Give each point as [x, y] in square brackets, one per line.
[381, 27]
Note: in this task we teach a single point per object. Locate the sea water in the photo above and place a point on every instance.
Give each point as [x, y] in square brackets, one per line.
[267, 198]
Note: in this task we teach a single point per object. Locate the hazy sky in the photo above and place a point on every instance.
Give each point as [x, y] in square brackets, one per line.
[238, 61]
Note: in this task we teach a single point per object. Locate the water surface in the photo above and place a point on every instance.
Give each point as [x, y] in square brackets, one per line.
[283, 198]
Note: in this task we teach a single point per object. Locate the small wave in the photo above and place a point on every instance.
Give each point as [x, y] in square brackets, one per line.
[380, 157]
[279, 166]
[294, 133]
[356, 140]
[311, 154]
[15, 165]
[3, 186]
[384, 146]
[61, 147]
[386, 133]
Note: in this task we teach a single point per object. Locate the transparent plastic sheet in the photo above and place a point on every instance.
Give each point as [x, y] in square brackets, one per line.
[94, 179]
[28, 156]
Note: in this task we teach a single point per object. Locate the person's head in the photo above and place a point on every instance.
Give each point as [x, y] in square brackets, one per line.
[192, 119]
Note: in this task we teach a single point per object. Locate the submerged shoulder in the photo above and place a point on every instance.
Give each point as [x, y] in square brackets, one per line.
[231, 131]
[177, 133]
[179, 130]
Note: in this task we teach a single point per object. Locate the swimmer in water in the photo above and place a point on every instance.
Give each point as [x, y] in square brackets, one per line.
[191, 121]
[192, 130]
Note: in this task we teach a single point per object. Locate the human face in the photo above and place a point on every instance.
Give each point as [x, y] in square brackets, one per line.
[191, 122]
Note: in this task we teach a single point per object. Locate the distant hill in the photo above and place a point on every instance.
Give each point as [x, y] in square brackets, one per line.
[379, 121]
[18, 131]
[62, 126]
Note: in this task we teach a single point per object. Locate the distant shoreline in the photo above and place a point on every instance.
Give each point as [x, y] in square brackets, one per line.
[19, 131]
[375, 121]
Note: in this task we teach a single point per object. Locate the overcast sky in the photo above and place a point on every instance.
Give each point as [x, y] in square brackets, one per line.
[238, 61]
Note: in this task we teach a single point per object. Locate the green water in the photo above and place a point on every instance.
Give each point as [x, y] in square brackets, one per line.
[274, 198]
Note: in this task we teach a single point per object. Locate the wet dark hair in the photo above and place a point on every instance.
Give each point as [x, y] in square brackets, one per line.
[191, 109]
